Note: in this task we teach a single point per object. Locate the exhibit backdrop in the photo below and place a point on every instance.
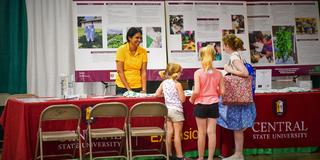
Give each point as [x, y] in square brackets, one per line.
[100, 27]
[278, 35]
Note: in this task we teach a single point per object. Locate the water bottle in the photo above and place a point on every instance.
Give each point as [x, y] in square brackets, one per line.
[71, 85]
[63, 85]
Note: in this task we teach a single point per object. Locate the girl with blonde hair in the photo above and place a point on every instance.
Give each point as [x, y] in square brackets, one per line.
[174, 96]
[236, 117]
[208, 86]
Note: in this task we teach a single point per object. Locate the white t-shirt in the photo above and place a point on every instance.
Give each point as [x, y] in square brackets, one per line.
[171, 95]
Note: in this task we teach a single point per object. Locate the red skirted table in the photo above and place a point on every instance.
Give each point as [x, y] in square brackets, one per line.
[20, 121]
[283, 120]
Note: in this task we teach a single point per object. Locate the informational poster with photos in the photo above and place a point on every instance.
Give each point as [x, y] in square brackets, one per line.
[276, 34]
[101, 27]
[196, 24]
[283, 33]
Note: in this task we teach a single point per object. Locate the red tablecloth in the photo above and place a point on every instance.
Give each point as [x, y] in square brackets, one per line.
[283, 120]
[20, 121]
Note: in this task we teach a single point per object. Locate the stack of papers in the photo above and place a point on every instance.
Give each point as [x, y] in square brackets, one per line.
[284, 90]
[39, 99]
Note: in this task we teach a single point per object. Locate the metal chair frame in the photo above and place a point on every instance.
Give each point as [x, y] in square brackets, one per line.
[59, 112]
[148, 109]
[110, 110]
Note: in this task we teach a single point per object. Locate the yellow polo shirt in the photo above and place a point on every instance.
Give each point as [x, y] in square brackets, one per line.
[132, 65]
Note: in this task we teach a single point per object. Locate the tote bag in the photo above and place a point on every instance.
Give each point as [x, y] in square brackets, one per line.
[238, 90]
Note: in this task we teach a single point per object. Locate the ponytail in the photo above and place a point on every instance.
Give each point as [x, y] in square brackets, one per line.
[163, 74]
[172, 71]
[174, 76]
[207, 56]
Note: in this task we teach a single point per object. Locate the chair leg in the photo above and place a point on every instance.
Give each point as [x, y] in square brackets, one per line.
[165, 143]
[41, 147]
[121, 148]
[74, 151]
[161, 144]
[90, 146]
[127, 148]
[130, 147]
[37, 147]
[80, 146]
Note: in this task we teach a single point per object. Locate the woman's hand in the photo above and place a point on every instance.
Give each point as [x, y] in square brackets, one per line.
[227, 68]
[143, 91]
[191, 100]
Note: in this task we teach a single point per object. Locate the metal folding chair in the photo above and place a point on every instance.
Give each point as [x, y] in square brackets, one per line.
[110, 110]
[59, 112]
[148, 110]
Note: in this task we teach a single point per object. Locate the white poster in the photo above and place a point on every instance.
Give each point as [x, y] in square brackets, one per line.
[284, 33]
[263, 79]
[282, 13]
[193, 25]
[100, 28]
[275, 33]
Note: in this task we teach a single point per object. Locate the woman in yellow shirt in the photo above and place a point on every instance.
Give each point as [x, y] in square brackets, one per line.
[131, 60]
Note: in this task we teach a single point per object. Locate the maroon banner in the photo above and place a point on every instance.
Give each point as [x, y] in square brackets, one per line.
[286, 119]
[108, 75]
[283, 120]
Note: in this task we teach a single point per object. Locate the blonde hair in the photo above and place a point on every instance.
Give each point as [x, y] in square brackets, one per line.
[234, 42]
[172, 71]
[206, 56]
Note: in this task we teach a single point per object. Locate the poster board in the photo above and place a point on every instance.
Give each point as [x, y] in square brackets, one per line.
[100, 27]
[186, 26]
[196, 24]
[284, 36]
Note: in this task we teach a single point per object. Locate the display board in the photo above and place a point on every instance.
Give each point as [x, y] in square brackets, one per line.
[100, 27]
[278, 35]
[284, 35]
[196, 24]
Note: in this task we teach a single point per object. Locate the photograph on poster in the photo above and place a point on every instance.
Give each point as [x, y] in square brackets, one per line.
[114, 37]
[89, 31]
[187, 40]
[284, 45]
[238, 23]
[216, 46]
[154, 37]
[261, 51]
[176, 24]
[306, 26]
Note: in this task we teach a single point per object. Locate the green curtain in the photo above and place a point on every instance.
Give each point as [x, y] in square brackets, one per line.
[13, 46]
